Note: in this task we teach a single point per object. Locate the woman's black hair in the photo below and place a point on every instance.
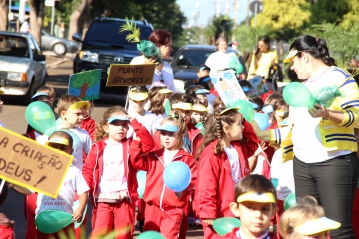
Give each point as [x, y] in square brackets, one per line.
[316, 47]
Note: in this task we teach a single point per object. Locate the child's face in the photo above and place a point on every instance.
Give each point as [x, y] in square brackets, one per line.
[138, 106]
[234, 131]
[64, 148]
[117, 129]
[255, 217]
[168, 139]
[197, 116]
[186, 114]
[203, 73]
[280, 115]
[201, 96]
[73, 117]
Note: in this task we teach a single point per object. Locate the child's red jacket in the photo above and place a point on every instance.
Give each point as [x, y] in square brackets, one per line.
[92, 169]
[215, 188]
[194, 135]
[156, 193]
[89, 125]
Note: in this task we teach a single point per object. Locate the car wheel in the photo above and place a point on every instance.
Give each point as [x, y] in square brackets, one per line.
[29, 94]
[59, 49]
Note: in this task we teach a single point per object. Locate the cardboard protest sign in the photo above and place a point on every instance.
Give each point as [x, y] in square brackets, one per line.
[129, 75]
[31, 165]
[228, 88]
[85, 85]
[260, 87]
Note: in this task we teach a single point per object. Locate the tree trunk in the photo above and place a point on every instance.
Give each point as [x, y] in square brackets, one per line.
[76, 16]
[4, 13]
[37, 12]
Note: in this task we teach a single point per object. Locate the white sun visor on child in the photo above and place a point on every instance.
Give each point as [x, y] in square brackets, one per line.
[167, 127]
[39, 94]
[117, 117]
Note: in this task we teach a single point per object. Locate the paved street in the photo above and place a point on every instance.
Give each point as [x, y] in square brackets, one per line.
[13, 118]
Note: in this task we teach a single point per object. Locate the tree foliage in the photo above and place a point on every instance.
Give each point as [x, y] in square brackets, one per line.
[351, 17]
[284, 17]
[247, 36]
[329, 11]
[342, 43]
[216, 29]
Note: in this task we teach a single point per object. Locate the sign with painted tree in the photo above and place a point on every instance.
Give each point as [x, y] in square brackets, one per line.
[85, 85]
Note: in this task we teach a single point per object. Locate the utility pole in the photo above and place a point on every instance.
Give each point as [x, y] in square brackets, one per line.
[248, 14]
[226, 8]
[218, 8]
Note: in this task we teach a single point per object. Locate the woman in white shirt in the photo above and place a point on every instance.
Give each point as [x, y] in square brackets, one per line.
[163, 73]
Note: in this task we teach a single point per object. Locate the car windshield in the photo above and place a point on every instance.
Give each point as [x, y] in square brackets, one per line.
[192, 58]
[109, 32]
[14, 46]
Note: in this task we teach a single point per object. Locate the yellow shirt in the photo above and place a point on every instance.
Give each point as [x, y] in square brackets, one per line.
[264, 64]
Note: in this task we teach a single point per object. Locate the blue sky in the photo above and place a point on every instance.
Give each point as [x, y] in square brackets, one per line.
[207, 8]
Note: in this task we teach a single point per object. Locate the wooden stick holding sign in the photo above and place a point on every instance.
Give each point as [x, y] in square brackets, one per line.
[130, 75]
[31, 165]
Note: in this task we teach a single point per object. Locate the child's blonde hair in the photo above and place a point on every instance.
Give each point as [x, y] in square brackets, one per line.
[65, 102]
[177, 119]
[306, 208]
[48, 90]
[100, 133]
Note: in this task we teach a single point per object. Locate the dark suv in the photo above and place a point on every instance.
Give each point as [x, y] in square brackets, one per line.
[103, 45]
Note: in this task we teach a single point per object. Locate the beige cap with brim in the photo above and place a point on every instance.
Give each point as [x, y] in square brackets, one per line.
[140, 96]
[290, 56]
[57, 141]
[315, 226]
[182, 106]
[165, 91]
[255, 197]
[80, 105]
[199, 107]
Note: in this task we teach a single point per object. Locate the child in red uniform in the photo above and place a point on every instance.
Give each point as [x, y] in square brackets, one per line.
[254, 204]
[88, 123]
[110, 175]
[164, 208]
[228, 143]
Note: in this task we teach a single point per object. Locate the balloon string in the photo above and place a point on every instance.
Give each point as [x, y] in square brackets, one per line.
[264, 155]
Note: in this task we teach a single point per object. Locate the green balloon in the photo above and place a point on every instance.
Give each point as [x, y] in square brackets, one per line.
[200, 126]
[40, 117]
[239, 68]
[290, 201]
[245, 108]
[297, 95]
[51, 221]
[224, 225]
[150, 235]
[167, 107]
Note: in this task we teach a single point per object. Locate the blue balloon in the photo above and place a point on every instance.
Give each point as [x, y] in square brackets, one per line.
[177, 176]
[141, 180]
[262, 120]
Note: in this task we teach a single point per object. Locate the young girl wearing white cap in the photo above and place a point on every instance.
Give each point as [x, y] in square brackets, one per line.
[164, 208]
[110, 174]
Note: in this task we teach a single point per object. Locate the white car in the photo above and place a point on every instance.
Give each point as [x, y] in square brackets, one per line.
[22, 66]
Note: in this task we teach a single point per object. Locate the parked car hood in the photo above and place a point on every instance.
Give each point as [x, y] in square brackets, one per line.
[106, 49]
[15, 64]
[185, 74]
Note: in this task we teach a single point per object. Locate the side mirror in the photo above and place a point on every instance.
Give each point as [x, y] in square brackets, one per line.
[77, 37]
[39, 58]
